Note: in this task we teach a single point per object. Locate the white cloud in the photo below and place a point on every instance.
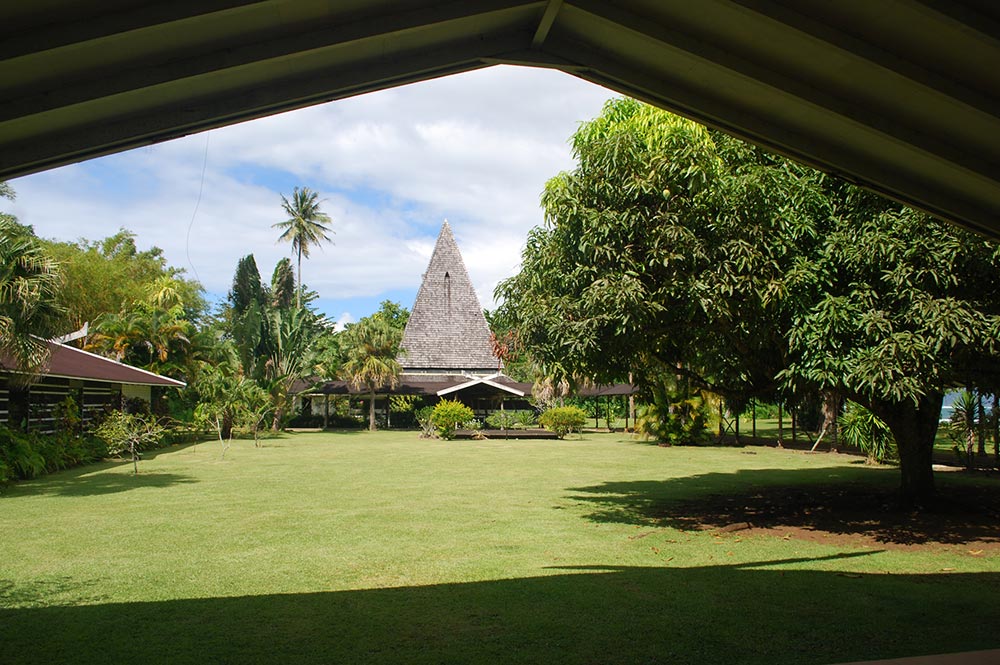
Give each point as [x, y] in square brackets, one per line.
[343, 320]
[475, 148]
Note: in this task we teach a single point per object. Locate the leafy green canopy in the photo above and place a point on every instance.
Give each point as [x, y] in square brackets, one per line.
[108, 276]
[672, 252]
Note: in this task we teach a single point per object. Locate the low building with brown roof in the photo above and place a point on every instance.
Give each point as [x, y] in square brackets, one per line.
[94, 382]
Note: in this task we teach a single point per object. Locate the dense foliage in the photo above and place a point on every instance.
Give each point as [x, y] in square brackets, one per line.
[26, 455]
[111, 275]
[29, 284]
[694, 262]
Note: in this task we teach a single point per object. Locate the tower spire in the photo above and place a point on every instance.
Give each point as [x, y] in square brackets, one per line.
[447, 332]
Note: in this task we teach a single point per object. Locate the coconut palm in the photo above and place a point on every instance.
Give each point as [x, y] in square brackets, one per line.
[29, 283]
[372, 345]
[304, 227]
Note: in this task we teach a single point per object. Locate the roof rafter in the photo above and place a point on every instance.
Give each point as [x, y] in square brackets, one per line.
[901, 96]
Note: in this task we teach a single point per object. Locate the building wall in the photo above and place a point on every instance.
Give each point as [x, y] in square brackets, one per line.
[141, 392]
[36, 405]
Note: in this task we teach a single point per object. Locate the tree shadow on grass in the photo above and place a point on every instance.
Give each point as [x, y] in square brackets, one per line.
[770, 612]
[46, 592]
[93, 480]
[857, 504]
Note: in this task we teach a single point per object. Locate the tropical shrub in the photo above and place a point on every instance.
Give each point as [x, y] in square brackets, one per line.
[339, 421]
[525, 419]
[862, 429]
[403, 403]
[612, 411]
[448, 415]
[426, 423]
[519, 419]
[305, 420]
[20, 451]
[25, 455]
[501, 420]
[676, 420]
[563, 419]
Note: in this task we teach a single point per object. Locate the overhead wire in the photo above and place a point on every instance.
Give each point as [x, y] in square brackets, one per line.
[201, 188]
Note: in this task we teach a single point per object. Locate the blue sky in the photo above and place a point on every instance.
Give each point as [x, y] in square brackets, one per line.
[475, 149]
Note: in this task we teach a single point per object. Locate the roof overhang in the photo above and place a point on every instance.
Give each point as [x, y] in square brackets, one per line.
[902, 97]
[67, 362]
[481, 381]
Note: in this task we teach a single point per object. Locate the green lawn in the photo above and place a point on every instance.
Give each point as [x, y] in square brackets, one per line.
[356, 547]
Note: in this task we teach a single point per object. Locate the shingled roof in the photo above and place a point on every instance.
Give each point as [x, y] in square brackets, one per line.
[447, 331]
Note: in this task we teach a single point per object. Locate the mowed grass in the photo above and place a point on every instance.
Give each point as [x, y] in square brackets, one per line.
[357, 547]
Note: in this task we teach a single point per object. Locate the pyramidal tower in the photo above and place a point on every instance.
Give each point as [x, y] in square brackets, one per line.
[447, 333]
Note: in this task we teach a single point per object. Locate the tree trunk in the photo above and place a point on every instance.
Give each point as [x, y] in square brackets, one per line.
[829, 409]
[226, 430]
[298, 292]
[371, 412]
[914, 426]
[781, 428]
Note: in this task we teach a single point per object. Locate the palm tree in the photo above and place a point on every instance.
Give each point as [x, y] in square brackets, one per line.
[115, 334]
[372, 345]
[29, 283]
[147, 335]
[304, 226]
[964, 422]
